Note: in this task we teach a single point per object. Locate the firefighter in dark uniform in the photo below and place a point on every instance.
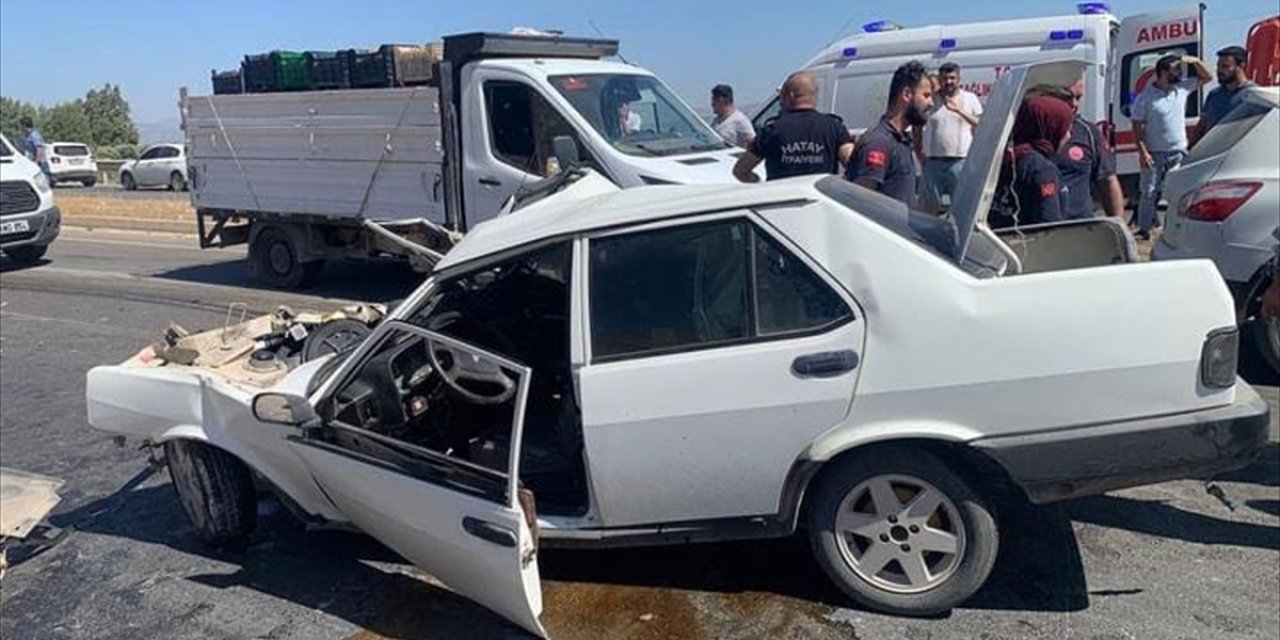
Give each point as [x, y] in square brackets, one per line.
[802, 141]
[883, 159]
[1040, 131]
[1086, 163]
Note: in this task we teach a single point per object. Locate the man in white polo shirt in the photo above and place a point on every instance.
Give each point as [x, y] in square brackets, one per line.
[946, 138]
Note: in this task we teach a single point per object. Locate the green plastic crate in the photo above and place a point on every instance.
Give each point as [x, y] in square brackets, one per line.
[293, 72]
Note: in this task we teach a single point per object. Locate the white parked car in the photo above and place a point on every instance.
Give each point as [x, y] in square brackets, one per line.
[683, 363]
[1225, 206]
[160, 165]
[71, 162]
[29, 219]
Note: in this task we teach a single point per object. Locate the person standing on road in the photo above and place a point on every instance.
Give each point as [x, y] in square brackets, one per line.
[33, 145]
[1160, 130]
[945, 139]
[801, 141]
[1086, 164]
[731, 124]
[1040, 131]
[1224, 98]
[883, 160]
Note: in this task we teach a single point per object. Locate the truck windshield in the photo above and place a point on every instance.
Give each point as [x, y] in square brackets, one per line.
[638, 115]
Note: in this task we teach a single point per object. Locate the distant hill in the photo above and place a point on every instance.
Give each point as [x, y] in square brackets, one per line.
[167, 130]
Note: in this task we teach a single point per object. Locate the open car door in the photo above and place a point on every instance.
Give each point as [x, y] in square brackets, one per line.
[450, 504]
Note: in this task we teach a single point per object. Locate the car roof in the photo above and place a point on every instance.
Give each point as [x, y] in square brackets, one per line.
[1263, 96]
[565, 215]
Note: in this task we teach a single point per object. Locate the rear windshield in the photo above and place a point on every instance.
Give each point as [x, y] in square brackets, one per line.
[71, 150]
[1233, 128]
[5, 150]
[935, 234]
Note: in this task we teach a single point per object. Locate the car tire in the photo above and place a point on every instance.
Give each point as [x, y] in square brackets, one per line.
[127, 181]
[177, 182]
[216, 490]
[872, 569]
[88, 184]
[275, 260]
[27, 254]
[1261, 336]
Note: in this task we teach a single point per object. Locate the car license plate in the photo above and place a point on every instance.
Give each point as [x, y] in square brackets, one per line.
[77, 161]
[17, 226]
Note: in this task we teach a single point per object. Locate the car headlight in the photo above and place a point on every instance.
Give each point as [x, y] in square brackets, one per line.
[42, 183]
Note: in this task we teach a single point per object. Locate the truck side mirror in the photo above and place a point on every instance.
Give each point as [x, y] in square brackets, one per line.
[566, 151]
[282, 408]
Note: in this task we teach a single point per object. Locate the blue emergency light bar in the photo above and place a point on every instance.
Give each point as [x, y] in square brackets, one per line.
[947, 43]
[1060, 35]
[880, 26]
[1093, 8]
[850, 52]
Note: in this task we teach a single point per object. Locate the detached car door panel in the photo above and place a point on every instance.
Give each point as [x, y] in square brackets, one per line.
[717, 354]
[459, 519]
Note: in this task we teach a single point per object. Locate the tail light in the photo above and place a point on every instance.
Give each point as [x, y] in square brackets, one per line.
[1216, 201]
[1218, 358]
[55, 160]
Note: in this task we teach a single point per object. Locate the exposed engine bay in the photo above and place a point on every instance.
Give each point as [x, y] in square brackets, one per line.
[259, 351]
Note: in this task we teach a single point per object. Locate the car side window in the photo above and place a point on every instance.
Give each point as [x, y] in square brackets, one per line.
[522, 126]
[790, 297]
[169, 152]
[671, 289]
[150, 154]
[701, 286]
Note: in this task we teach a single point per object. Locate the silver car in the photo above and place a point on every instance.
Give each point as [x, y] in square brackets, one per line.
[1224, 205]
[161, 165]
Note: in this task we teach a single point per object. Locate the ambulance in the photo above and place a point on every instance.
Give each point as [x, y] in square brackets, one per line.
[853, 74]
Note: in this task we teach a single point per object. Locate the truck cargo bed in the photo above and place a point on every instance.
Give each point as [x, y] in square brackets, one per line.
[373, 153]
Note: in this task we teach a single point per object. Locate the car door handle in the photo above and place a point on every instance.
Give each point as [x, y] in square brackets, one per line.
[490, 182]
[825, 364]
[490, 532]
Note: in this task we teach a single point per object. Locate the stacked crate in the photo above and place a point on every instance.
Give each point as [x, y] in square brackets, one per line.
[391, 65]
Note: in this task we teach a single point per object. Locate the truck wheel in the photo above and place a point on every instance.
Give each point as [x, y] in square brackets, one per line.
[274, 260]
[127, 181]
[216, 490]
[900, 532]
[177, 182]
[27, 254]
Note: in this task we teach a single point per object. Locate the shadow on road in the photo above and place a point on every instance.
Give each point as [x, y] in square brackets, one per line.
[364, 281]
[1157, 518]
[8, 265]
[1039, 569]
[324, 570]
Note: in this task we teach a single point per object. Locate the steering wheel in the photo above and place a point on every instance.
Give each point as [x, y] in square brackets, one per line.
[464, 365]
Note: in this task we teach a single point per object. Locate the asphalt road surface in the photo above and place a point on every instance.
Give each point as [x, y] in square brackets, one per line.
[1167, 561]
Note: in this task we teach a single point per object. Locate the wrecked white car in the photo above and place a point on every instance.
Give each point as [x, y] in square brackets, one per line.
[684, 363]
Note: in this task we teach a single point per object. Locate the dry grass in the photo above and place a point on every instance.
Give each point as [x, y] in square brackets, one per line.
[79, 206]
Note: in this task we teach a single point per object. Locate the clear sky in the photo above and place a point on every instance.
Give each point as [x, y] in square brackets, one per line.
[52, 51]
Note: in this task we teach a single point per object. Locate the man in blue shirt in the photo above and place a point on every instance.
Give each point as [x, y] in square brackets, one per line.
[1160, 129]
[33, 145]
[1231, 81]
